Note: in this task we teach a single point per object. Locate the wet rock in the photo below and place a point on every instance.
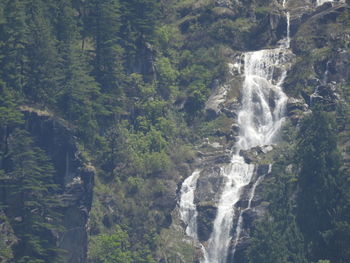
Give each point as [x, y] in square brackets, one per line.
[326, 95]
[235, 128]
[224, 3]
[296, 109]
[229, 113]
[255, 154]
[314, 82]
[208, 185]
[206, 216]
[294, 105]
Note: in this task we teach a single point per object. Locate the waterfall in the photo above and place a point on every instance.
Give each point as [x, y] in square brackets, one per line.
[260, 118]
[321, 2]
[240, 217]
[188, 212]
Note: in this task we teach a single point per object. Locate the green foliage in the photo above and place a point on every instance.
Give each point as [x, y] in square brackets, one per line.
[42, 64]
[268, 246]
[319, 178]
[12, 43]
[277, 237]
[10, 116]
[29, 183]
[115, 248]
[112, 248]
[167, 77]
[104, 20]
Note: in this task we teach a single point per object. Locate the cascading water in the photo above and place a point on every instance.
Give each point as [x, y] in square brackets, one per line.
[188, 212]
[240, 218]
[260, 119]
[321, 2]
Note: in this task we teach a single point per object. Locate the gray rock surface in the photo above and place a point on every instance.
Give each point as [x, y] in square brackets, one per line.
[215, 101]
[73, 174]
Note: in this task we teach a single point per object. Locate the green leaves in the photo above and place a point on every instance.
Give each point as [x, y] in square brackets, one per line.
[318, 181]
[115, 248]
[10, 116]
[29, 183]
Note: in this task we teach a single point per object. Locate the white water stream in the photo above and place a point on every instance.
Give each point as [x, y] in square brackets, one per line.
[321, 2]
[260, 118]
[188, 212]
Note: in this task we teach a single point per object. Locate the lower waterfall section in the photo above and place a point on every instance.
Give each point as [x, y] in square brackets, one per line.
[188, 212]
[237, 175]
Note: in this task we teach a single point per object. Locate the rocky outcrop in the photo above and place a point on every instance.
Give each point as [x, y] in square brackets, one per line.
[74, 175]
[213, 104]
[206, 216]
[296, 109]
[325, 94]
[256, 154]
[208, 185]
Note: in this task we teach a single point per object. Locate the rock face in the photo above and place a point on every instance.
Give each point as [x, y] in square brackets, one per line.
[295, 109]
[213, 105]
[206, 216]
[74, 176]
[208, 185]
[206, 197]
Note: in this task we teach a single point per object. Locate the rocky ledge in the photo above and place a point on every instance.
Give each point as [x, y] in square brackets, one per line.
[73, 174]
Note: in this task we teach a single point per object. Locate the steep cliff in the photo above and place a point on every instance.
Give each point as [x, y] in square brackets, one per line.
[72, 174]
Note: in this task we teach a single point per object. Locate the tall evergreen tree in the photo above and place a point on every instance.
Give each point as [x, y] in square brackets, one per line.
[80, 93]
[30, 192]
[42, 68]
[13, 42]
[319, 192]
[139, 20]
[104, 20]
[10, 117]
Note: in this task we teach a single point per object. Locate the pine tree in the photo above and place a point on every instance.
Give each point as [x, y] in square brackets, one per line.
[10, 117]
[30, 191]
[80, 93]
[104, 19]
[42, 67]
[318, 181]
[139, 19]
[13, 41]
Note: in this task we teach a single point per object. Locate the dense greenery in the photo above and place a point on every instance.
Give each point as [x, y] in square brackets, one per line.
[314, 225]
[129, 79]
[115, 74]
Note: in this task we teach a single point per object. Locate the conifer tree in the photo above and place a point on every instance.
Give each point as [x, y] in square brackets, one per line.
[104, 19]
[80, 92]
[12, 43]
[42, 67]
[31, 193]
[318, 181]
[10, 117]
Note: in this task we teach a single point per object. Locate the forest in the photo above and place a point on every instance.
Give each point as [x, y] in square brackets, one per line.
[104, 112]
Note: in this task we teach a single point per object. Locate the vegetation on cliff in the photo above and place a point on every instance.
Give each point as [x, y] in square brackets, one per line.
[130, 79]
